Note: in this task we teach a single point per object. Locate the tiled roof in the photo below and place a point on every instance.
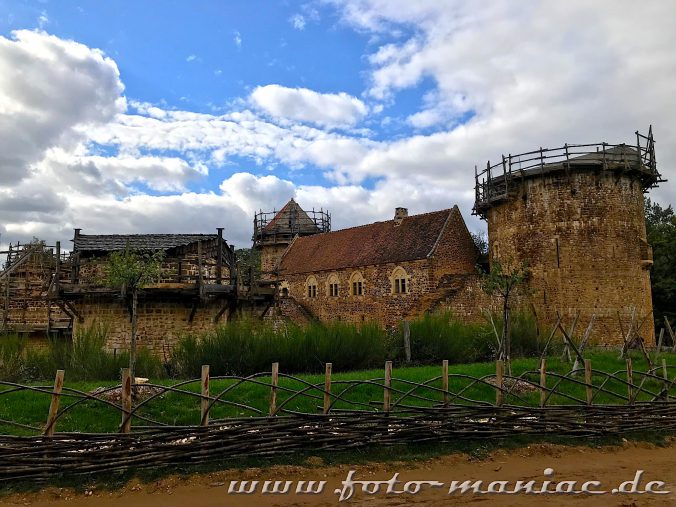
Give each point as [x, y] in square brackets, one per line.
[291, 219]
[109, 242]
[372, 244]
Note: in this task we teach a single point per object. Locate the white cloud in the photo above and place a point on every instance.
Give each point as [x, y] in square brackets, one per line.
[48, 88]
[298, 21]
[191, 58]
[301, 104]
[237, 38]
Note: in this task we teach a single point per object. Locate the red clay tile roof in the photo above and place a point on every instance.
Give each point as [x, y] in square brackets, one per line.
[366, 245]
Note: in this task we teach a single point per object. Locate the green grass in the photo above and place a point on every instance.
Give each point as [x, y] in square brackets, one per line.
[30, 408]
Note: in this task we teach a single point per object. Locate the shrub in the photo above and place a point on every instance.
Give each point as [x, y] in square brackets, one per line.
[12, 362]
[245, 347]
[83, 358]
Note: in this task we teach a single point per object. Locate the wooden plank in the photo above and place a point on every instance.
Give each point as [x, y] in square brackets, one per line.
[273, 390]
[327, 387]
[588, 381]
[204, 402]
[387, 391]
[665, 374]
[50, 427]
[499, 382]
[543, 382]
[444, 381]
[125, 400]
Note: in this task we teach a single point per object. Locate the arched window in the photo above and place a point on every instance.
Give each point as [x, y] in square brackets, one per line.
[401, 282]
[311, 287]
[333, 286]
[357, 287]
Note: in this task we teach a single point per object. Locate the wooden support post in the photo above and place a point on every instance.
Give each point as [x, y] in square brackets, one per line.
[273, 389]
[407, 340]
[327, 387]
[659, 343]
[543, 382]
[125, 399]
[665, 374]
[219, 261]
[671, 334]
[57, 268]
[204, 402]
[499, 382]
[387, 392]
[588, 381]
[444, 381]
[50, 427]
[199, 263]
[630, 382]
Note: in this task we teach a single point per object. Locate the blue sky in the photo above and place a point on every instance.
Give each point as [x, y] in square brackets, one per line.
[185, 116]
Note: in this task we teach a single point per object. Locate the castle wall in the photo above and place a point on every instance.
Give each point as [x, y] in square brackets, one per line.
[270, 256]
[161, 323]
[583, 236]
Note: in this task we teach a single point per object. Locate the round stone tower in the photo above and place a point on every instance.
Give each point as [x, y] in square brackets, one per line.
[575, 214]
[274, 231]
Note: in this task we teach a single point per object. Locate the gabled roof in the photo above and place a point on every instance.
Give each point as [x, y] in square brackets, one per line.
[110, 242]
[378, 243]
[291, 219]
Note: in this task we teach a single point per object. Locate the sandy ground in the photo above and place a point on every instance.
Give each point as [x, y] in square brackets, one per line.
[609, 465]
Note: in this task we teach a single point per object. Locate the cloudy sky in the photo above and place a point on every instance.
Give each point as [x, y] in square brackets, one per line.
[128, 117]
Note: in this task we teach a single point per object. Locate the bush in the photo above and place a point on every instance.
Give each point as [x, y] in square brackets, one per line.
[439, 336]
[245, 347]
[12, 363]
[83, 358]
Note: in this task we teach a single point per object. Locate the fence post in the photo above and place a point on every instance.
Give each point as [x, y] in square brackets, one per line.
[388, 385]
[407, 341]
[327, 387]
[630, 382]
[444, 380]
[125, 399]
[50, 428]
[273, 390]
[499, 372]
[588, 381]
[204, 402]
[665, 374]
[543, 382]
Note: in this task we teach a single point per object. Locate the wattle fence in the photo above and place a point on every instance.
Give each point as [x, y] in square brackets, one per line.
[270, 413]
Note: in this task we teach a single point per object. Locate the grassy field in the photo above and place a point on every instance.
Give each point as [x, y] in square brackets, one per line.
[252, 398]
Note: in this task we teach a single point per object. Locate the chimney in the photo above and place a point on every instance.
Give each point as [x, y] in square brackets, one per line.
[399, 215]
[76, 233]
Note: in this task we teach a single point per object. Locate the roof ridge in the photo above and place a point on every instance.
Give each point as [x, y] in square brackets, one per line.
[377, 222]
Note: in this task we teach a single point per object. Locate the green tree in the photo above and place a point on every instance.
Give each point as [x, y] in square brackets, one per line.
[249, 264]
[130, 271]
[661, 234]
[504, 282]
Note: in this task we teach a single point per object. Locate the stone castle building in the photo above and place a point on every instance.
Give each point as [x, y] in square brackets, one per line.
[385, 271]
[574, 214]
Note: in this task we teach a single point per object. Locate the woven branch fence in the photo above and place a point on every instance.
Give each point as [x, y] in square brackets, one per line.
[295, 415]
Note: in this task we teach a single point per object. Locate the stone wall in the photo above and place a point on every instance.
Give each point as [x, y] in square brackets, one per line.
[270, 256]
[160, 322]
[378, 302]
[583, 235]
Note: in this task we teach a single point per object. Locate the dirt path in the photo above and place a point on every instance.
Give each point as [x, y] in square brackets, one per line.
[609, 465]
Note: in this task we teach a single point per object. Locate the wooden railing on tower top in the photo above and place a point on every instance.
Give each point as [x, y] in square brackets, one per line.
[497, 181]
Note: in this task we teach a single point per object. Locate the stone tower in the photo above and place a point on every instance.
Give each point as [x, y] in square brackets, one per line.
[274, 231]
[576, 215]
